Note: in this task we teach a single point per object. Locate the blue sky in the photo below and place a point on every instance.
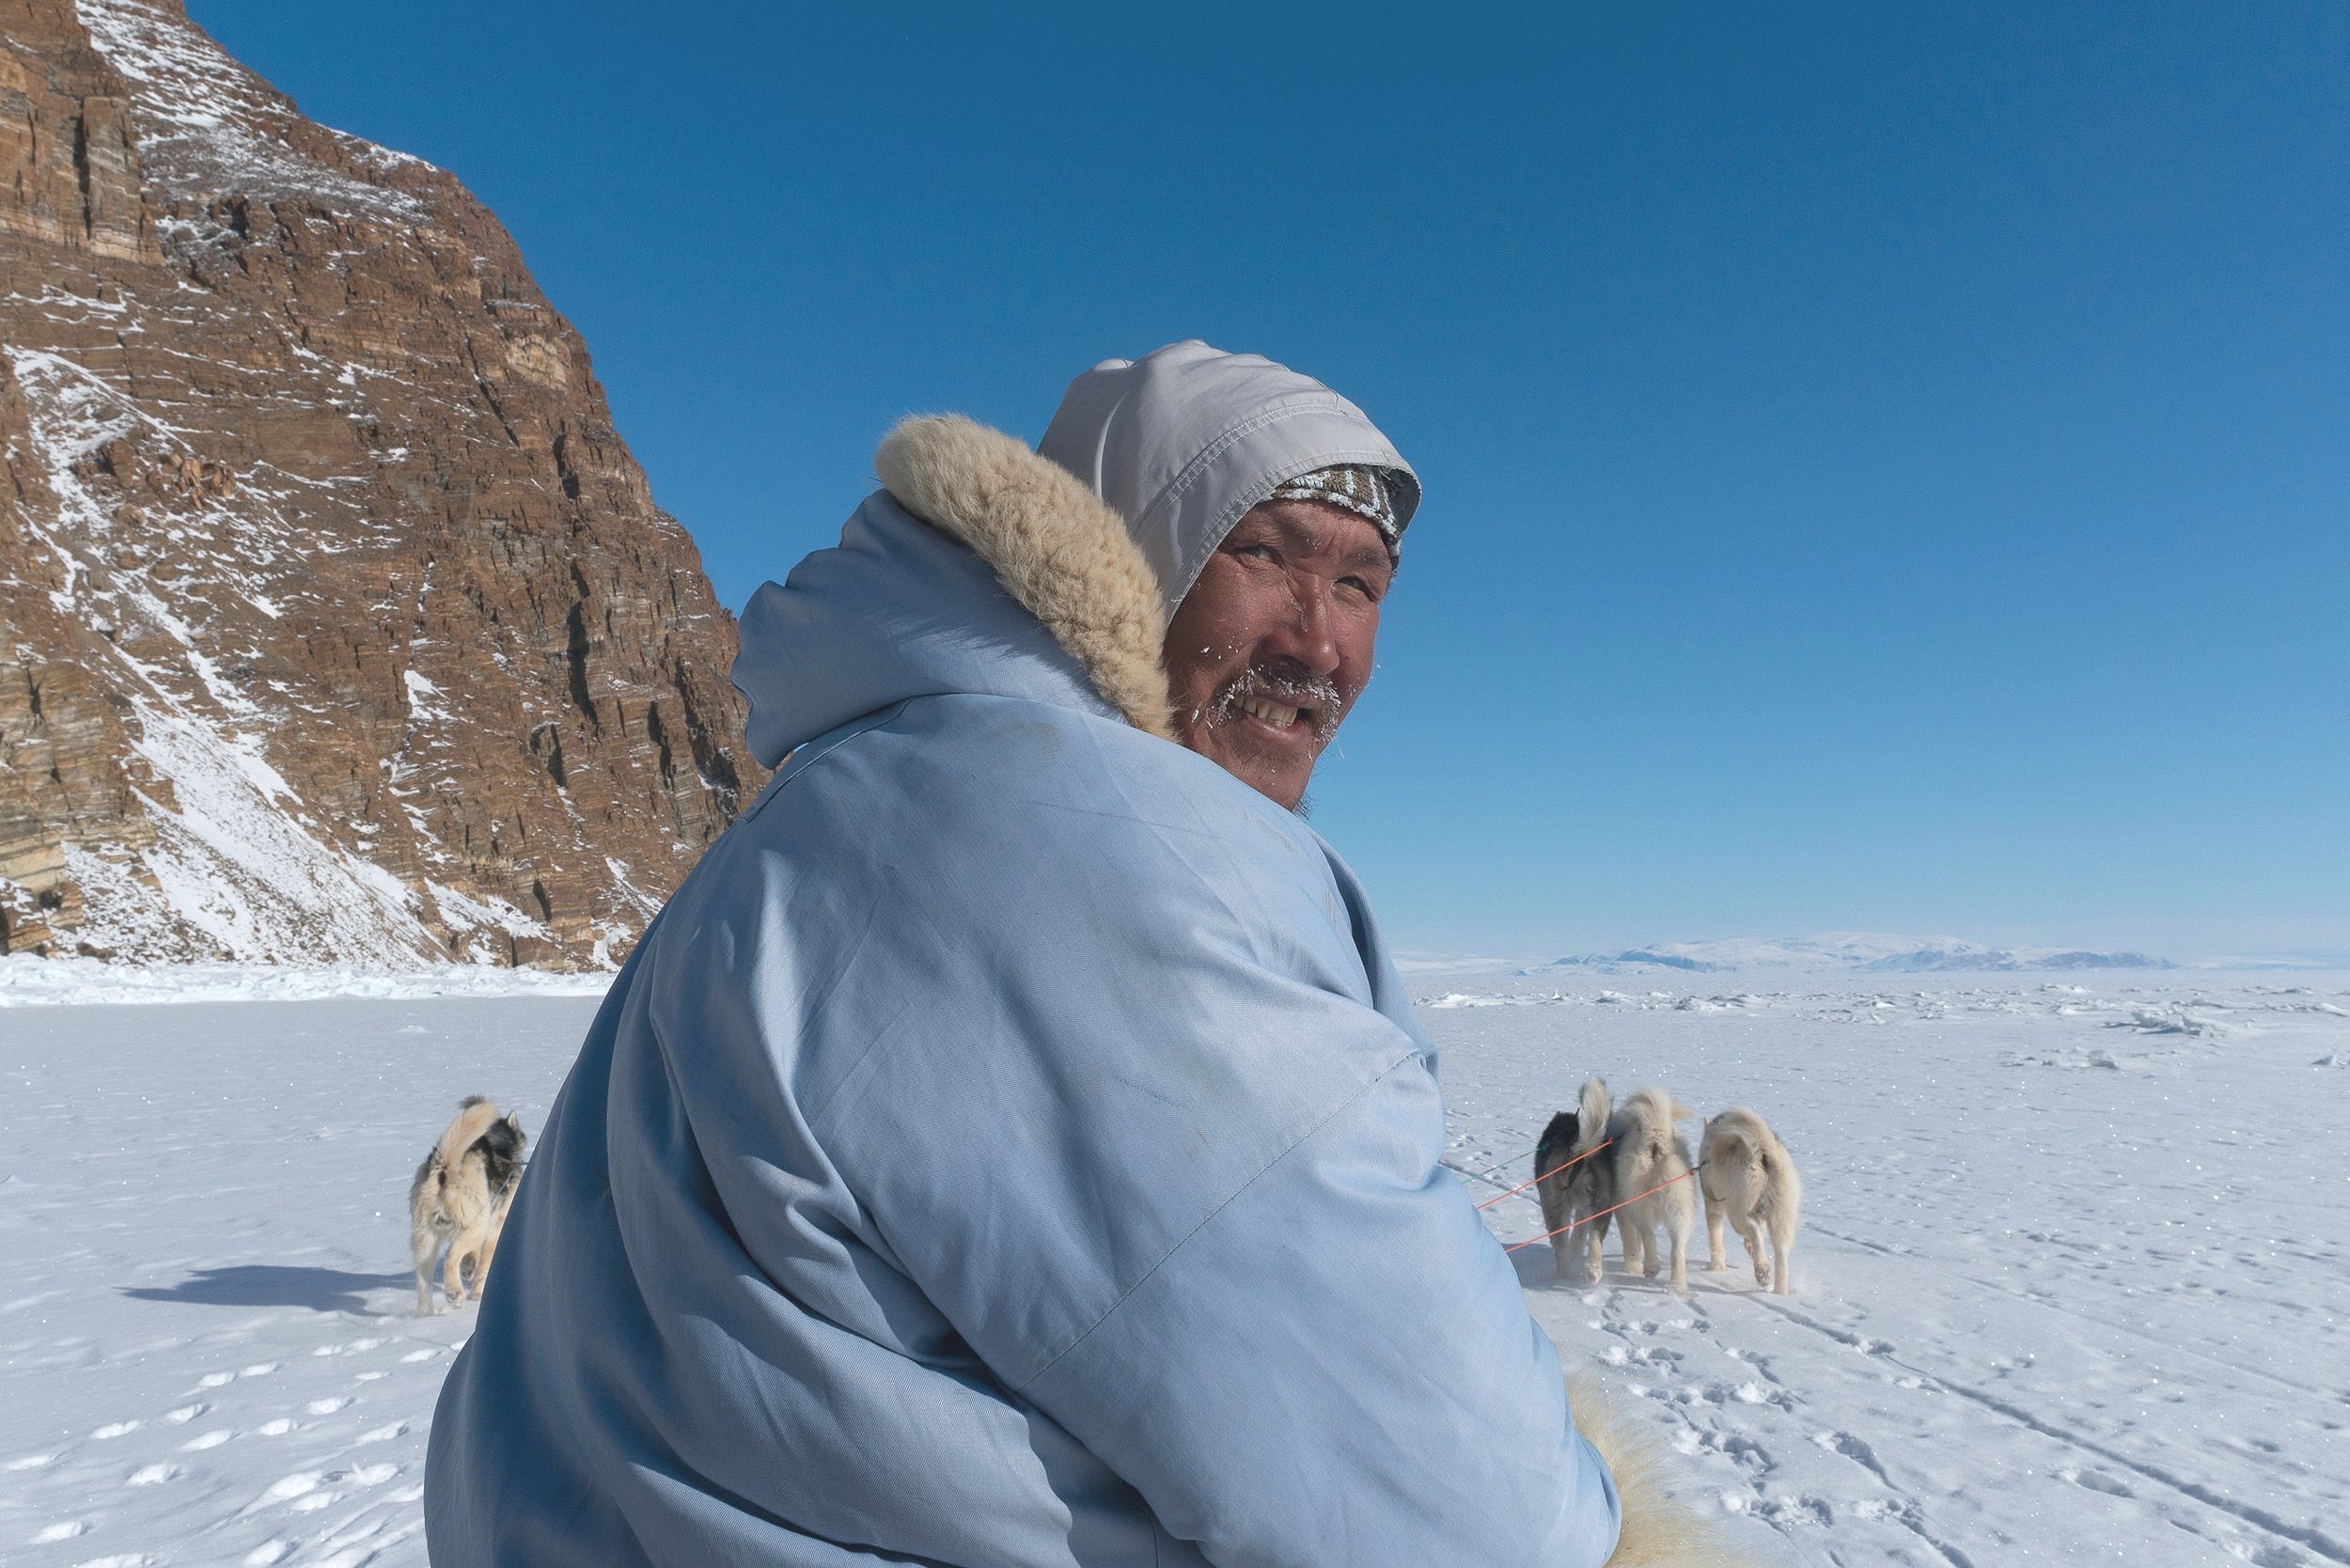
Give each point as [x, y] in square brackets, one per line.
[1889, 467]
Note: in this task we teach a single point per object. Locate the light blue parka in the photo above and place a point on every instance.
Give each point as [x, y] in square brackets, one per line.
[1011, 1146]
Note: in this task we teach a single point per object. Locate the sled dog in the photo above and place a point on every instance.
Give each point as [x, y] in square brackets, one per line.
[1649, 1154]
[1751, 1181]
[459, 1198]
[1585, 1189]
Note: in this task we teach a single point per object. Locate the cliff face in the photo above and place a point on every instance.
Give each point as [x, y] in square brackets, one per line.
[335, 621]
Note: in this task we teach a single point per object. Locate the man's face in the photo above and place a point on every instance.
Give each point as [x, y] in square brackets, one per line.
[1271, 644]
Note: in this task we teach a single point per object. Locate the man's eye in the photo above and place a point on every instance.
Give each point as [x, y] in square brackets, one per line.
[1262, 551]
[1361, 586]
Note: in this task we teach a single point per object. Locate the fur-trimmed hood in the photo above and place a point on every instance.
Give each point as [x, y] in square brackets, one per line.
[1072, 558]
[980, 568]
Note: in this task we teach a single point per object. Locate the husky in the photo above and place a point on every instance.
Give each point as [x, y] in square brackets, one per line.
[1581, 1190]
[459, 1198]
[1750, 1180]
[1651, 1174]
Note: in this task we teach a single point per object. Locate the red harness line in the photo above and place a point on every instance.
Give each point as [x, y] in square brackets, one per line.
[1548, 1174]
[1605, 1212]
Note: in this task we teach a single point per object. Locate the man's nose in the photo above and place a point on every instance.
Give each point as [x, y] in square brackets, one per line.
[1310, 636]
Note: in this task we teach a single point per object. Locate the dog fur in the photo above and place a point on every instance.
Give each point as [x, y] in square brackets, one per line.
[1649, 1154]
[1660, 1530]
[459, 1197]
[1751, 1181]
[1583, 1189]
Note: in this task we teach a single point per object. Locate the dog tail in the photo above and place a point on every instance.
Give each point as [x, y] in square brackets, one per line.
[476, 1116]
[1591, 1116]
[1739, 1128]
[1726, 1134]
[1649, 1119]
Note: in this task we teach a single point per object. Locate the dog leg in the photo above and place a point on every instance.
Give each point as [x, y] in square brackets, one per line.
[1561, 1241]
[1677, 1231]
[1751, 1233]
[424, 1248]
[1715, 1260]
[1597, 1270]
[1782, 1250]
[462, 1247]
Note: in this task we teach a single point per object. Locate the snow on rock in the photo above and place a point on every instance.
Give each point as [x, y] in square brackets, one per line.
[210, 127]
[327, 587]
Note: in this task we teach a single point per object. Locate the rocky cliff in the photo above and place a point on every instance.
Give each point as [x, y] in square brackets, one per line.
[335, 621]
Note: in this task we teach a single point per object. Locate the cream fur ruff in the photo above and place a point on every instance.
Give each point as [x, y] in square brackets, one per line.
[1056, 546]
[1660, 1531]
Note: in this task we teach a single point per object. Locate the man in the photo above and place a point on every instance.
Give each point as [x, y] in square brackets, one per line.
[1012, 1145]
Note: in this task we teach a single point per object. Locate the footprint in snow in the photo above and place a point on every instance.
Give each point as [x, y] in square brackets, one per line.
[186, 1413]
[29, 1462]
[1856, 1449]
[260, 1369]
[327, 1406]
[267, 1553]
[382, 1434]
[203, 1441]
[115, 1429]
[151, 1475]
[2096, 1480]
[420, 1356]
[277, 1428]
[65, 1531]
[301, 1483]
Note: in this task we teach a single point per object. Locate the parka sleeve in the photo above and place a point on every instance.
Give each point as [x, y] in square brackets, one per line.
[1338, 1368]
[1149, 1148]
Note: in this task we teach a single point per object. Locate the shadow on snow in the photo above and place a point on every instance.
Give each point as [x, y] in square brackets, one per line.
[321, 1290]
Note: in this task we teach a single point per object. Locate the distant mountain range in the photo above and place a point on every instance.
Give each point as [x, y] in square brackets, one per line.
[1844, 952]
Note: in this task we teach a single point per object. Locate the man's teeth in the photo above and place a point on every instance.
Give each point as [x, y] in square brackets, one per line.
[1271, 713]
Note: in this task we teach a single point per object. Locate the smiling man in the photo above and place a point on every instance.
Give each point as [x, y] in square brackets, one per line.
[1012, 1144]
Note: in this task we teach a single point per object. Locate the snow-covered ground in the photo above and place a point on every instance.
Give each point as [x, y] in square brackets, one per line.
[2071, 1285]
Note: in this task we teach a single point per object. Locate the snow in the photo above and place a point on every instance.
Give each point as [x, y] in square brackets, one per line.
[26, 981]
[209, 127]
[2041, 1315]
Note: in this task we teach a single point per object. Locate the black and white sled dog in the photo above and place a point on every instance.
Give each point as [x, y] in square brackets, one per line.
[1651, 1174]
[459, 1197]
[1751, 1181]
[1583, 1188]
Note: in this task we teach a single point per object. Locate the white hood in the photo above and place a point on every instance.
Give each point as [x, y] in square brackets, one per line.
[1180, 442]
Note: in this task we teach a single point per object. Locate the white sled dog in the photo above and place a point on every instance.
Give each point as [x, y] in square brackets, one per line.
[1647, 1155]
[1750, 1180]
[459, 1197]
[1583, 1189]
